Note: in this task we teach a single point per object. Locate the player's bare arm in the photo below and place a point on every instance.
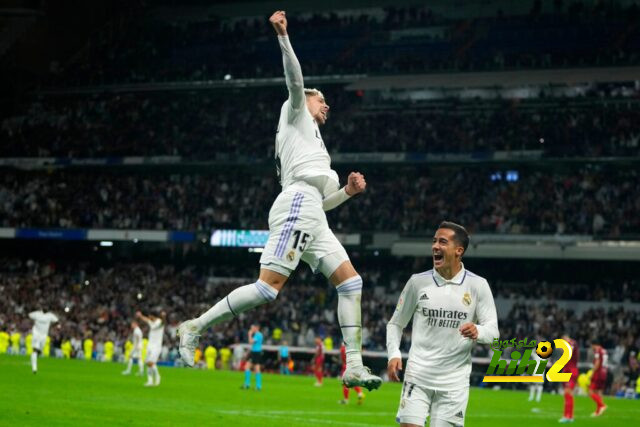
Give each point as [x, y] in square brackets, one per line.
[142, 317]
[393, 368]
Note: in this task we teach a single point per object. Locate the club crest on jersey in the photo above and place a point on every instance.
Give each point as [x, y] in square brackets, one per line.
[466, 299]
[291, 255]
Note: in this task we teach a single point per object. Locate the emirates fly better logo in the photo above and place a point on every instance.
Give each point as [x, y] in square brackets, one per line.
[514, 370]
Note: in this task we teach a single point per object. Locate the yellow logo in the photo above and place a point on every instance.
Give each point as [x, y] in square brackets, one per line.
[291, 255]
[466, 299]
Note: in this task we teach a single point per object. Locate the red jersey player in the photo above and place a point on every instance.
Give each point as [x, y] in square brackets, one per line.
[345, 390]
[599, 377]
[318, 360]
[572, 367]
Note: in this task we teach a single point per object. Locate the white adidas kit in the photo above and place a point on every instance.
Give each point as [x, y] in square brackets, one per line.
[298, 227]
[136, 350]
[436, 378]
[40, 330]
[156, 335]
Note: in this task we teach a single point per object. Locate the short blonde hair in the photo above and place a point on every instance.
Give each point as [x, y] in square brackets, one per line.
[313, 92]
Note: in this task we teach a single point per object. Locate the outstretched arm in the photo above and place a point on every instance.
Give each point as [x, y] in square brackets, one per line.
[142, 317]
[355, 184]
[292, 70]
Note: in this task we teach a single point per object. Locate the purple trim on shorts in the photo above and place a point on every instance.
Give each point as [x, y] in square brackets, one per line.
[288, 226]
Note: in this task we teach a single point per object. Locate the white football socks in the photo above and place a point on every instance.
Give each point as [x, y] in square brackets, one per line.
[150, 374]
[239, 300]
[350, 318]
[34, 361]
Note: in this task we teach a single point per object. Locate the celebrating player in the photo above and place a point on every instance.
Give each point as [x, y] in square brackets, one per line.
[39, 333]
[298, 228]
[599, 377]
[572, 367]
[154, 348]
[451, 309]
[255, 358]
[136, 350]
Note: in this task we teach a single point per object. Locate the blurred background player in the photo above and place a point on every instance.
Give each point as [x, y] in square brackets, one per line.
[318, 362]
[136, 349]
[154, 348]
[283, 358]
[451, 308]
[255, 358]
[599, 377]
[298, 228]
[40, 333]
[345, 390]
[535, 389]
[569, 387]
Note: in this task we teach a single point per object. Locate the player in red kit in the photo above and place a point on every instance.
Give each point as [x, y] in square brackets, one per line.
[599, 377]
[572, 367]
[345, 390]
[318, 360]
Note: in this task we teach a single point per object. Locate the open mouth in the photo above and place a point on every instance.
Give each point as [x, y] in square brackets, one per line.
[438, 258]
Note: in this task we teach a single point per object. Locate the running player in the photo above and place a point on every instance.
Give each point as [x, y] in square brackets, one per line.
[599, 377]
[41, 323]
[569, 387]
[136, 349]
[451, 308]
[154, 348]
[298, 228]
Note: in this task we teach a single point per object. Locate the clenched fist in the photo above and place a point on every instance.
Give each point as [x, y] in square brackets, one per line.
[355, 183]
[279, 22]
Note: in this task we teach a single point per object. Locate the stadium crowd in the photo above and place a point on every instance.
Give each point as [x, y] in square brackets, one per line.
[374, 41]
[100, 304]
[205, 126]
[593, 200]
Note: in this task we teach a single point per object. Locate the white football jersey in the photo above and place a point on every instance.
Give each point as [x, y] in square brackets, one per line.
[440, 357]
[156, 333]
[300, 152]
[42, 322]
[137, 339]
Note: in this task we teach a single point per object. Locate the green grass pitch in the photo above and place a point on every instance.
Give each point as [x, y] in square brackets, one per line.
[78, 393]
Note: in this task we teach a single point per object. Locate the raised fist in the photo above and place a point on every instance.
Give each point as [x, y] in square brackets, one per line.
[279, 22]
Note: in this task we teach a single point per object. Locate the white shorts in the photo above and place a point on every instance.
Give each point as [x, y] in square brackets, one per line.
[37, 342]
[135, 354]
[153, 353]
[298, 230]
[418, 402]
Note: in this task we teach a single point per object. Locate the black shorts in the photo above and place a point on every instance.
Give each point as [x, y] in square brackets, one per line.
[255, 357]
